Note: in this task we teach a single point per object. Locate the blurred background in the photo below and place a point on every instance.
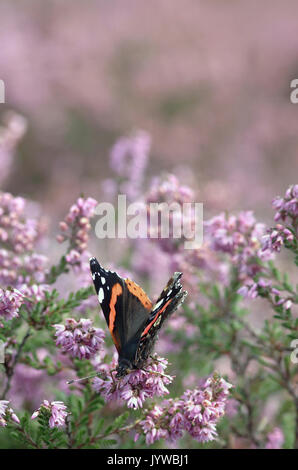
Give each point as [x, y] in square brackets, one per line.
[208, 80]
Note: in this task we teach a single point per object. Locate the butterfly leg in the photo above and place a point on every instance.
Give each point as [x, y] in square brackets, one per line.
[156, 360]
[160, 374]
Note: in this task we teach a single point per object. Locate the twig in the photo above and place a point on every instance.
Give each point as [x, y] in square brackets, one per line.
[10, 369]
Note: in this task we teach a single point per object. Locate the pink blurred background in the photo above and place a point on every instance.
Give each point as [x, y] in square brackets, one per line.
[209, 80]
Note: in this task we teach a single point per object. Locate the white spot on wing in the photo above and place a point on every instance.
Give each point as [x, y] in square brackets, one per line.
[101, 295]
[158, 304]
[103, 281]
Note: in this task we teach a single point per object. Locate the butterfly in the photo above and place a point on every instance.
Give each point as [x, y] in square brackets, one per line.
[132, 319]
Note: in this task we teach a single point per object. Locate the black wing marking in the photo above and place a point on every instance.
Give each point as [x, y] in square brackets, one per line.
[125, 306]
[170, 299]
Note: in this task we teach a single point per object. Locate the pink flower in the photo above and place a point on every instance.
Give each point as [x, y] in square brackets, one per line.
[135, 387]
[7, 413]
[276, 238]
[80, 339]
[10, 302]
[17, 262]
[35, 292]
[56, 411]
[196, 412]
[287, 207]
[76, 226]
[128, 159]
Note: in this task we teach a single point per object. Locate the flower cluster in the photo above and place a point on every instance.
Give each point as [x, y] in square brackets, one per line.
[80, 339]
[19, 236]
[240, 238]
[7, 413]
[264, 288]
[287, 207]
[17, 232]
[286, 214]
[135, 387]
[276, 238]
[196, 412]
[55, 410]
[10, 302]
[76, 226]
[170, 191]
[128, 159]
[34, 292]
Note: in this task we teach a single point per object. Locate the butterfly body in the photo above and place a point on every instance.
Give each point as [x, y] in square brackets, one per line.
[132, 319]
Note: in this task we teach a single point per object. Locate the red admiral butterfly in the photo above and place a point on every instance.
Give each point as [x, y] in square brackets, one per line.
[132, 319]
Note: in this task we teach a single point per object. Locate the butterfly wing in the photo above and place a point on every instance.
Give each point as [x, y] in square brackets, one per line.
[125, 306]
[169, 300]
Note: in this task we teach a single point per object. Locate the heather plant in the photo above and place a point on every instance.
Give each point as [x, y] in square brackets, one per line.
[223, 374]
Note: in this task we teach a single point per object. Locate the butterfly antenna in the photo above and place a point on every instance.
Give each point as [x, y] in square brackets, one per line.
[83, 378]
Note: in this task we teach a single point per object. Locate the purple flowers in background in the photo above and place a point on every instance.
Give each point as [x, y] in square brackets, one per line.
[239, 237]
[128, 159]
[76, 226]
[80, 339]
[17, 232]
[19, 235]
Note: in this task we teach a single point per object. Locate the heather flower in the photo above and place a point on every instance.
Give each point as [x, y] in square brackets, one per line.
[76, 226]
[287, 207]
[128, 159]
[275, 439]
[80, 339]
[10, 302]
[7, 413]
[287, 213]
[196, 412]
[34, 292]
[135, 387]
[170, 191]
[240, 238]
[276, 238]
[19, 235]
[264, 288]
[203, 408]
[55, 410]
[35, 266]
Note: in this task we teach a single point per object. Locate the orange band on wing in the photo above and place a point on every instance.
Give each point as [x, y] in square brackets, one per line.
[139, 293]
[155, 318]
[116, 291]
